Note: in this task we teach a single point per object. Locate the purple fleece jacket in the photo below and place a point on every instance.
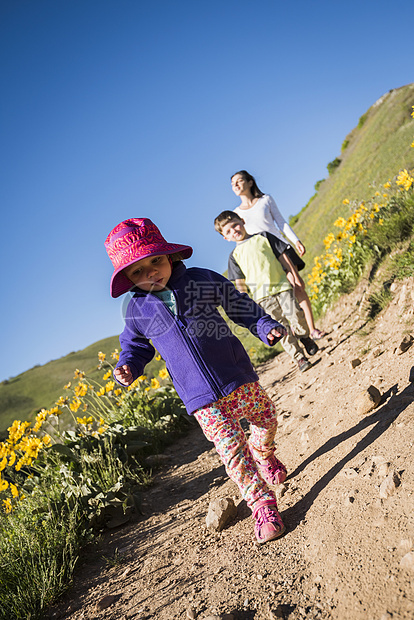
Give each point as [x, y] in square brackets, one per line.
[204, 359]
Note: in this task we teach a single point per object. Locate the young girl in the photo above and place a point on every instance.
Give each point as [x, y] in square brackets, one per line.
[177, 308]
[260, 214]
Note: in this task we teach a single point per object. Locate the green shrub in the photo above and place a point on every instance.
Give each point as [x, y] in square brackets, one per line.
[333, 165]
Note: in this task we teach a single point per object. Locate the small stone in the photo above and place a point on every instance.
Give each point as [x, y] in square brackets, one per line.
[280, 490]
[105, 602]
[389, 485]
[386, 616]
[126, 572]
[356, 362]
[220, 513]
[368, 400]
[407, 561]
[157, 459]
[384, 469]
[190, 614]
[406, 544]
[405, 344]
[376, 351]
[349, 472]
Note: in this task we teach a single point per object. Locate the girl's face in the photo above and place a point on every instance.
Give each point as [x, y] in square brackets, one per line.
[240, 186]
[150, 274]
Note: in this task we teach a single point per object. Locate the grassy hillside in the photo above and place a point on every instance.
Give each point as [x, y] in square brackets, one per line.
[373, 152]
[22, 396]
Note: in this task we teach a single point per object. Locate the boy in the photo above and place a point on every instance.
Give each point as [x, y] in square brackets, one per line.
[261, 261]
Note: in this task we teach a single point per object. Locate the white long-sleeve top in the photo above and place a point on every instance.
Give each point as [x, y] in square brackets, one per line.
[264, 216]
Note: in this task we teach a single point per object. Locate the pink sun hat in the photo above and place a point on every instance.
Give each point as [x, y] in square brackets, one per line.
[131, 241]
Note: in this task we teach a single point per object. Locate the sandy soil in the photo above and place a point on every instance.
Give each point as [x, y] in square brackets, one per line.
[348, 552]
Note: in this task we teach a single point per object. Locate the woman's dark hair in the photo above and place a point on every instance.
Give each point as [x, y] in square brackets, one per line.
[257, 193]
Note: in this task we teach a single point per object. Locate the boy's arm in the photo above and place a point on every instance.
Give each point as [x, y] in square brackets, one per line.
[241, 285]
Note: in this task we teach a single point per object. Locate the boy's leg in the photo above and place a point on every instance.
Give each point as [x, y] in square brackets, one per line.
[294, 313]
[289, 342]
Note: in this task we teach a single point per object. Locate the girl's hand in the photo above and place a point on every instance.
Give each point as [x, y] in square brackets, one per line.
[276, 334]
[123, 374]
[300, 247]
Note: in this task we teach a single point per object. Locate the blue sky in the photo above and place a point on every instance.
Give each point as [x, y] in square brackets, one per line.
[120, 108]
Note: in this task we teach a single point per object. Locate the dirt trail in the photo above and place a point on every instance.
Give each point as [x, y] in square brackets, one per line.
[348, 501]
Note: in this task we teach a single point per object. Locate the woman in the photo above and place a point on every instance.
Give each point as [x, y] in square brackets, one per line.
[260, 213]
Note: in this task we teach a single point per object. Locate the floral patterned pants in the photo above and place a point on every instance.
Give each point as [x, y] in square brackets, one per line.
[220, 422]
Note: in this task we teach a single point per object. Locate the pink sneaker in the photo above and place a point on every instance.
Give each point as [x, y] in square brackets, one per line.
[269, 524]
[272, 470]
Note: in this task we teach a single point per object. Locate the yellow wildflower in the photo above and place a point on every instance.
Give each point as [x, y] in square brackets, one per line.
[85, 420]
[157, 358]
[155, 384]
[387, 185]
[7, 505]
[380, 221]
[142, 378]
[81, 389]
[14, 490]
[110, 386]
[340, 222]
[75, 404]
[163, 373]
[101, 356]
[405, 180]
[67, 386]
[329, 240]
[346, 201]
[79, 374]
[115, 354]
[352, 239]
[101, 392]
[107, 375]
[3, 485]
[31, 446]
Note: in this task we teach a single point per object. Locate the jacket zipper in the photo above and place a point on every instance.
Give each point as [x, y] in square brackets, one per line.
[210, 380]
